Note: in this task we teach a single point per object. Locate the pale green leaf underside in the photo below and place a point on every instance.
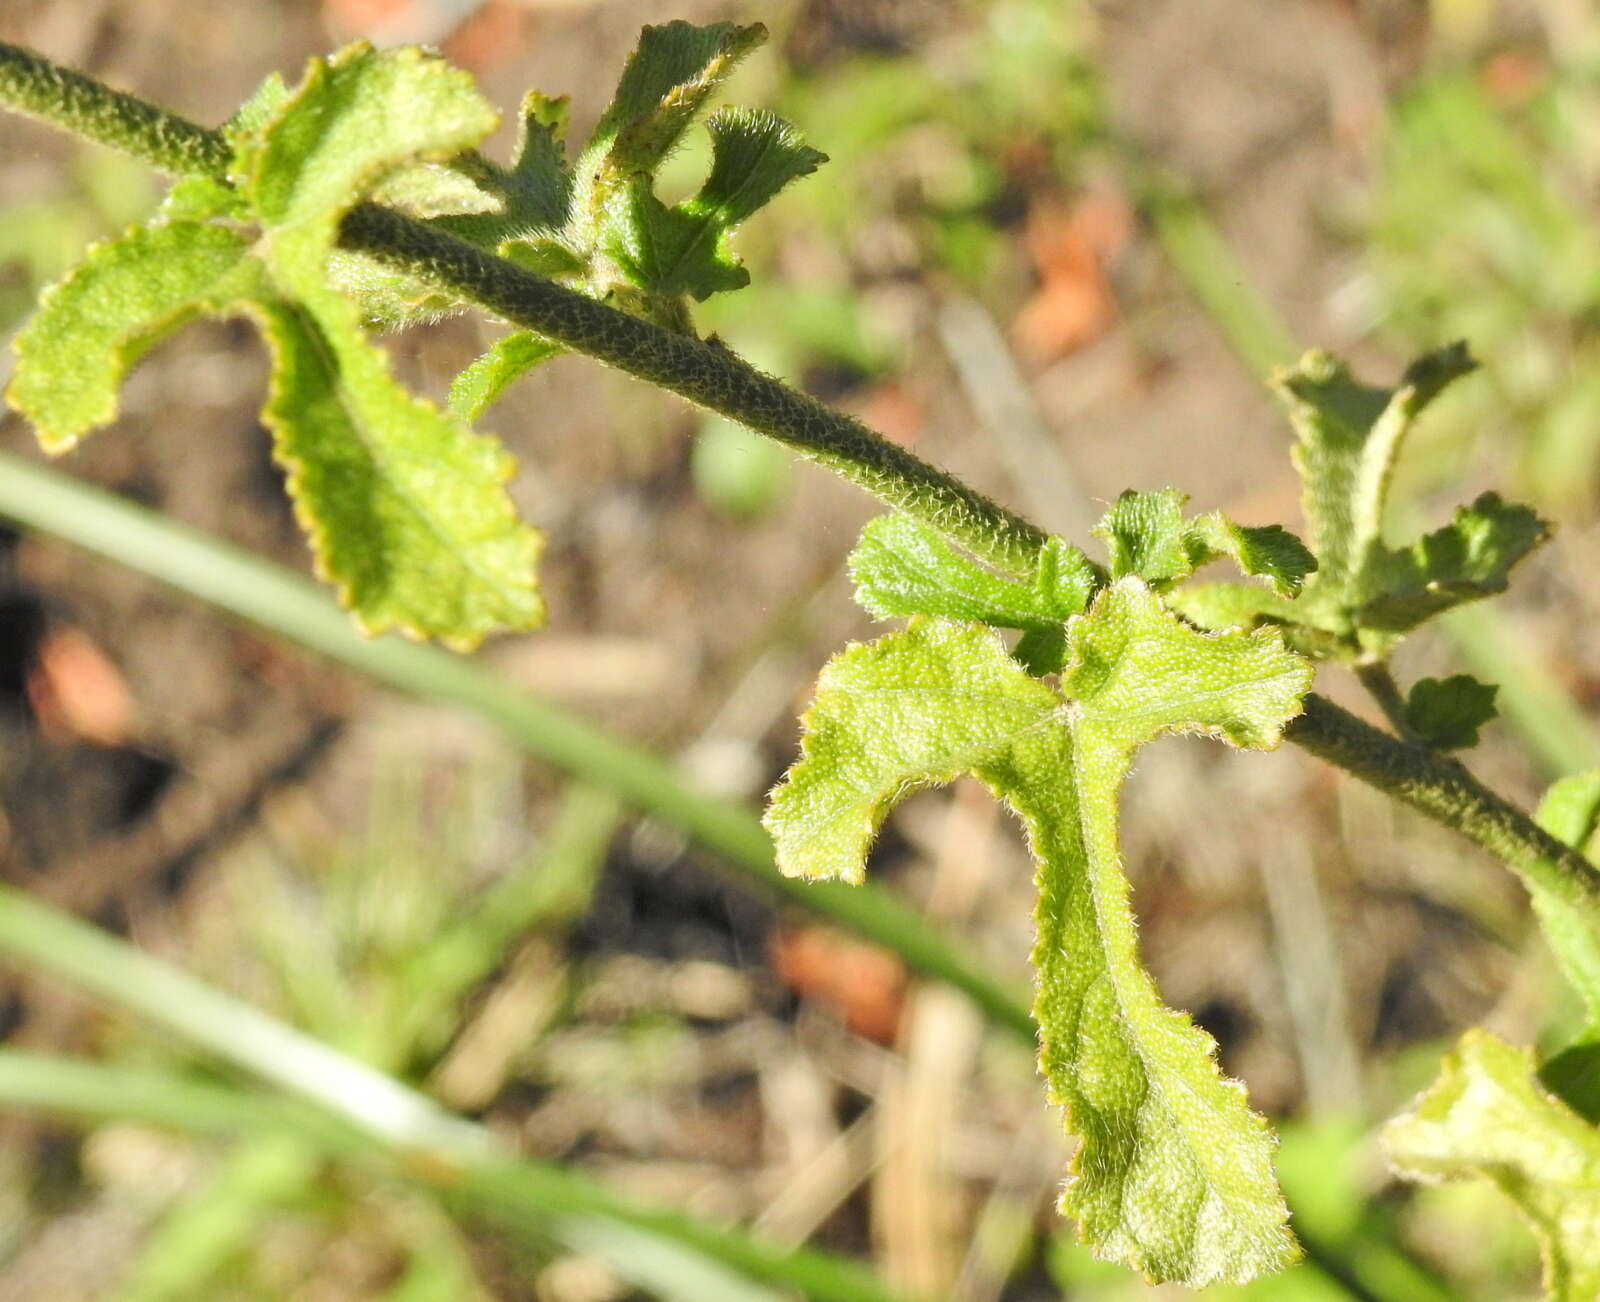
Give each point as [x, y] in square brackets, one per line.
[1173, 1175]
[1486, 1116]
[121, 300]
[508, 359]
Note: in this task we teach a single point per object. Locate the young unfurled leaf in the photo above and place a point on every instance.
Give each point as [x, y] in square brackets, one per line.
[1173, 1175]
[1268, 551]
[533, 195]
[1365, 595]
[1146, 535]
[1487, 1116]
[1447, 713]
[509, 358]
[1469, 558]
[1349, 438]
[902, 566]
[686, 249]
[120, 301]
[664, 87]
[646, 256]
[1569, 812]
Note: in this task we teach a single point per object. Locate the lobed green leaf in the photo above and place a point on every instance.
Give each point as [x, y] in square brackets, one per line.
[1173, 1175]
[1468, 559]
[686, 249]
[125, 297]
[1446, 713]
[1350, 436]
[406, 509]
[916, 708]
[1487, 1117]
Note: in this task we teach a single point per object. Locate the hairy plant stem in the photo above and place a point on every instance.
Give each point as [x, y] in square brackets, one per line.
[1441, 788]
[1383, 689]
[715, 378]
[33, 85]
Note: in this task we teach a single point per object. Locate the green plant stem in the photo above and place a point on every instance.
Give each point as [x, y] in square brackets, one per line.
[1383, 689]
[707, 374]
[1442, 789]
[296, 608]
[704, 373]
[715, 378]
[66, 98]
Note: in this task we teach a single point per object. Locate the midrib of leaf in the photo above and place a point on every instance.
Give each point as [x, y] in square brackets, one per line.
[708, 227]
[394, 477]
[1373, 473]
[1097, 805]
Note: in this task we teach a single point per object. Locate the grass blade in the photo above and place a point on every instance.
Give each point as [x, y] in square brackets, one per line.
[294, 608]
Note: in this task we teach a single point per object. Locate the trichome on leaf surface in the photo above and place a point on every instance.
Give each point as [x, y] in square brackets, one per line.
[274, 217]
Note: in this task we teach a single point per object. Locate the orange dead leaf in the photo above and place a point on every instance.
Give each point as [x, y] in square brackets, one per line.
[865, 985]
[1071, 247]
[76, 693]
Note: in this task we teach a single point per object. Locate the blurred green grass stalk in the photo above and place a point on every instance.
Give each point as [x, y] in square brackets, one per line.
[358, 1112]
[295, 608]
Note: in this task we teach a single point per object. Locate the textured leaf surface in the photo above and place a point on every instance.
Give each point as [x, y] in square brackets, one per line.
[1486, 1116]
[1349, 438]
[1146, 535]
[1267, 552]
[902, 566]
[1173, 1175]
[125, 297]
[687, 249]
[1471, 557]
[406, 510]
[664, 87]
[1446, 713]
[509, 358]
[406, 506]
[357, 116]
[913, 709]
[532, 198]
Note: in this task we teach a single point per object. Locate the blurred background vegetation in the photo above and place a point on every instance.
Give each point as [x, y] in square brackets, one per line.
[1057, 247]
